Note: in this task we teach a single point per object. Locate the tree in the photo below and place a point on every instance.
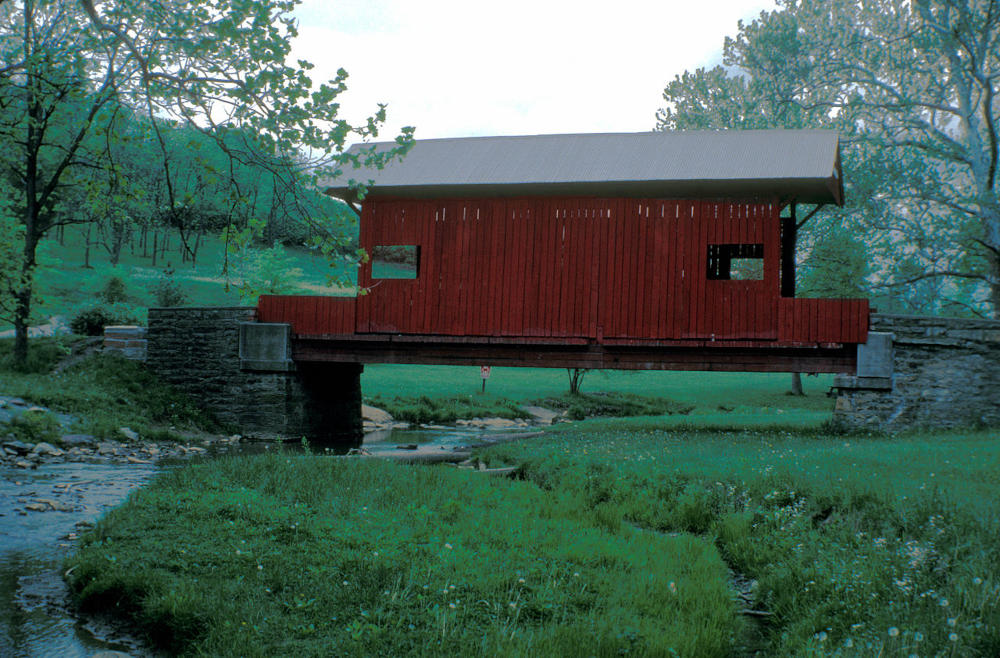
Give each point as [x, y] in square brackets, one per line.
[576, 376]
[915, 88]
[217, 66]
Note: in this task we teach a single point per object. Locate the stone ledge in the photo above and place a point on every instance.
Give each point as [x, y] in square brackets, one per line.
[250, 365]
[862, 383]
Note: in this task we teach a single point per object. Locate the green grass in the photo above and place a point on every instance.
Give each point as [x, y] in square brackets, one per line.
[858, 545]
[64, 285]
[103, 392]
[720, 400]
[307, 556]
[423, 409]
[848, 537]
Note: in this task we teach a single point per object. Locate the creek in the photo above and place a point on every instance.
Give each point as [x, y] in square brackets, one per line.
[36, 617]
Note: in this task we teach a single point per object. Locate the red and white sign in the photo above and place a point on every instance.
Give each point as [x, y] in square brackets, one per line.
[485, 372]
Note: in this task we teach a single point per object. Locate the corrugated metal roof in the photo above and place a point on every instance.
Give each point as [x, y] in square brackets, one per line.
[800, 165]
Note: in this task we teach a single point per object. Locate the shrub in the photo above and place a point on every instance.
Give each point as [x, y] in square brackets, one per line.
[114, 290]
[91, 320]
[167, 292]
[36, 425]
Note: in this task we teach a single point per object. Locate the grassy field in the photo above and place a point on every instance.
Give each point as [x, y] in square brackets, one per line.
[716, 399]
[64, 285]
[620, 538]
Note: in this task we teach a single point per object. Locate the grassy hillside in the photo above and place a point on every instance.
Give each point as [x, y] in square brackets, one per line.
[64, 284]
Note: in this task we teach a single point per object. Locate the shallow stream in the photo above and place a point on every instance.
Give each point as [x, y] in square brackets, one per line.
[36, 618]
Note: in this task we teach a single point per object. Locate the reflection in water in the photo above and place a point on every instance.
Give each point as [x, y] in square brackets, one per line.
[34, 616]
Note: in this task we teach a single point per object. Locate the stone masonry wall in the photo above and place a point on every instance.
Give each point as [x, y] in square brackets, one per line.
[945, 373]
[198, 350]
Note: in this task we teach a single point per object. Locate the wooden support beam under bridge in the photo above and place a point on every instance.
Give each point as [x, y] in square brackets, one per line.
[735, 356]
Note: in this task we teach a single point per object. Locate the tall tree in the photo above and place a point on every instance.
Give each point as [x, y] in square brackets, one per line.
[915, 87]
[215, 65]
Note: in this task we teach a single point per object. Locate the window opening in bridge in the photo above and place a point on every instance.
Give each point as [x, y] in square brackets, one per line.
[736, 262]
[395, 261]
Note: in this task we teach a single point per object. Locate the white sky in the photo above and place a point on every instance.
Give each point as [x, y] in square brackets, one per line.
[516, 67]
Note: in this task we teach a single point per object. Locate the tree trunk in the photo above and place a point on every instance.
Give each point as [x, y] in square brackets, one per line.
[797, 384]
[86, 248]
[576, 376]
[194, 251]
[156, 234]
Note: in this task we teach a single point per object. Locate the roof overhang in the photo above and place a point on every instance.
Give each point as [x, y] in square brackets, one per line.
[800, 166]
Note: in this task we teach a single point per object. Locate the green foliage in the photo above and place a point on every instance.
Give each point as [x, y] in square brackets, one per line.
[46, 354]
[35, 426]
[845, 539]
[907, 85]
[167, 292]
[71, 128]
[114, 291]
[431, 561]
[91, 320]
[258, 271]
[11, 253]
[104, 392]
[586, 405]
[424, 409]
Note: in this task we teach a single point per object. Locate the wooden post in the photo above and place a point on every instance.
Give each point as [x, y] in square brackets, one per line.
[789, 235]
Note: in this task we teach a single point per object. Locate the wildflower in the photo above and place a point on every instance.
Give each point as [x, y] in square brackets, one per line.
[952, 621]
[260, 567]
[520, 581]
[672, 587]
[345, 583]
[943, 602]
[448, 546]
[918, 637]
[849, 643]
[953, 637]
[821, 636]
[977, 581]
[451, 587]
[375, 553]
[893, 632]
[576, 574]
[451, 605]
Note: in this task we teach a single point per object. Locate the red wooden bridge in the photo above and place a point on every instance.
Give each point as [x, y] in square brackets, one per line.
[633, 251]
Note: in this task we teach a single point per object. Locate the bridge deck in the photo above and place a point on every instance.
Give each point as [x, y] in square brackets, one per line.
[740, 356]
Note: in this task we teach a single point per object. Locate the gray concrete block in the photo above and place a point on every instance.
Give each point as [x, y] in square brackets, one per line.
[875, 356]
[265, 346]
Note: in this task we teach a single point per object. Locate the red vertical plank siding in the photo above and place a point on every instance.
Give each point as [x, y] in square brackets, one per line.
[581, 285]
[564, 271]
[568, 267]
[507, 219]
[617, 278]
[527, 257]
[667, 244]
[644, 316]
[522, 263]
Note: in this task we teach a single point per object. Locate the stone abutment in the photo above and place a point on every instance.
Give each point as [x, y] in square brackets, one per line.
[241, 371]
[923, 372]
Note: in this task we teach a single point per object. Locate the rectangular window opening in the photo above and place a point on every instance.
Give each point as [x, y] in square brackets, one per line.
[395, 261]
[736, 262]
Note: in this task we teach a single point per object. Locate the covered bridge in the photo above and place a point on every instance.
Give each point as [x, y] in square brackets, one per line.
[653, 250]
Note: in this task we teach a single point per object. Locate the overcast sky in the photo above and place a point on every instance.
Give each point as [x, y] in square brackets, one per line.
[516, 67]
